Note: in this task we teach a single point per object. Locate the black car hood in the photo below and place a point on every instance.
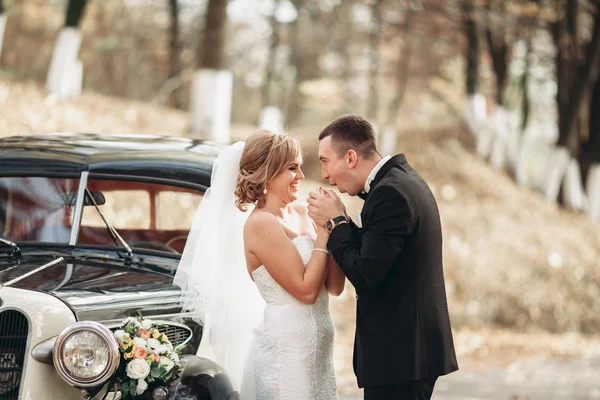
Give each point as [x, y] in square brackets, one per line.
[96, 285]
[83, 271]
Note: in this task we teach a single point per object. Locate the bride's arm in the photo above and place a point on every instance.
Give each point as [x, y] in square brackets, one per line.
[267, 240]
[335, 278]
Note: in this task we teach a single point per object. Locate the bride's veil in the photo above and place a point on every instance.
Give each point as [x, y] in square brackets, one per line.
[212, 272]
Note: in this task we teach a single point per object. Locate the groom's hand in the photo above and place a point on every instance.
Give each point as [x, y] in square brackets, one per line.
[324, 205]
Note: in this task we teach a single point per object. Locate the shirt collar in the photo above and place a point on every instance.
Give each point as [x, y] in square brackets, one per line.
[374, 172]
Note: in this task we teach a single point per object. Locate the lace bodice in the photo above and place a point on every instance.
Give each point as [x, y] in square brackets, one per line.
[293, 356]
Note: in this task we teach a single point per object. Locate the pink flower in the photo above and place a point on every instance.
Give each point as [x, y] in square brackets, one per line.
[143, 333]
[155, 357]
[140, 353]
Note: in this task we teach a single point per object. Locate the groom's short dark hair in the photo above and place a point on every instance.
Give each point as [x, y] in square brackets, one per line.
[351, 132]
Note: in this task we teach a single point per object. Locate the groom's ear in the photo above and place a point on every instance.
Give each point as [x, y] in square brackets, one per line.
[351, 158]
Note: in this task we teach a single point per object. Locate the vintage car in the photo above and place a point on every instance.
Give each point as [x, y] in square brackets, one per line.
[92, 228]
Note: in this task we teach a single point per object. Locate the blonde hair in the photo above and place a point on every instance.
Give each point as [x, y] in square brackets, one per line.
[265, 156]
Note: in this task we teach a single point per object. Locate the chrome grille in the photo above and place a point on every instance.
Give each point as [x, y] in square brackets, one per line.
[176, 334]
[13, 341]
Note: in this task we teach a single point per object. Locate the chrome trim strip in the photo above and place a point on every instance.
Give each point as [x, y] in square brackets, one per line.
[43, 267]
[166, 317]
[76, 223]
[117, 305]
[67, 278]
[85, 300]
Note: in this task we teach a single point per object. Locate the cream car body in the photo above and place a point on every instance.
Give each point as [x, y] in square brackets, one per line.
[47, 316]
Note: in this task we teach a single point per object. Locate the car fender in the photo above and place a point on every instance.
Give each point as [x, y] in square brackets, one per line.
[202, 378]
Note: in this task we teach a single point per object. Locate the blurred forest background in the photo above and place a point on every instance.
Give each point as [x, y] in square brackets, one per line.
[496, 103]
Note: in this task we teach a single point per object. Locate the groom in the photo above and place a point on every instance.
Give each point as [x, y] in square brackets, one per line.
[403, 339]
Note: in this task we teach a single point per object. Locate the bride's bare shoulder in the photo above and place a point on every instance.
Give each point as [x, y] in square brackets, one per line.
[260, 221]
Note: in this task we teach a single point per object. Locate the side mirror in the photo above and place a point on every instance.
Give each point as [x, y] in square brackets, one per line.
[72, 197]
[98, 199]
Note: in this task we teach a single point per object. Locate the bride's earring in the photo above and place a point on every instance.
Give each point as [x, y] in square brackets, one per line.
[265, 191]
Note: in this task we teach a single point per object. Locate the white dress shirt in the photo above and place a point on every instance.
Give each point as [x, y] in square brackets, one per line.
[374, 172]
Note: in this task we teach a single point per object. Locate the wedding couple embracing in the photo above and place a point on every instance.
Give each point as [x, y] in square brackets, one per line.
[258, 268]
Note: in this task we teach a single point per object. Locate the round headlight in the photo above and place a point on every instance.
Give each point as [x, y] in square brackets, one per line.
[86, 354]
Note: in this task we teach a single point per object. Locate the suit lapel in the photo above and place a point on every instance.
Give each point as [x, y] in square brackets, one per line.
[395, 161]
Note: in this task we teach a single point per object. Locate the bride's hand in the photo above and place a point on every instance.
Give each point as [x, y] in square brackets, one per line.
[321, 230]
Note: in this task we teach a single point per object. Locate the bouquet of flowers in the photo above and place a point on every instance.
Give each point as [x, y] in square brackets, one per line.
[148, 360]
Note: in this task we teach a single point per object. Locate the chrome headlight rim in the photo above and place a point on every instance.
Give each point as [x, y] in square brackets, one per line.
[104, 333]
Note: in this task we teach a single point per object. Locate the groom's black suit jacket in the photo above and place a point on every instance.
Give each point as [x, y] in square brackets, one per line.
[395, 264]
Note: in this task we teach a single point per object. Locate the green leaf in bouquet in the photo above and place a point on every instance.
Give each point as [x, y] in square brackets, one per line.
[157, 372]
[125, 386]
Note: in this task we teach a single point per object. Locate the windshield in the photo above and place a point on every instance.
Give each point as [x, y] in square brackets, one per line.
[146, 215]
[37, 209]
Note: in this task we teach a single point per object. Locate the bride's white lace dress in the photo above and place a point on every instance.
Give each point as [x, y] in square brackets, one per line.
[292, 357]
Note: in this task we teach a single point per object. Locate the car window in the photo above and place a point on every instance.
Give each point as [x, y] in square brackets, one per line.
[37, 209]
[176, 209]
[146, 215]
[125, 209]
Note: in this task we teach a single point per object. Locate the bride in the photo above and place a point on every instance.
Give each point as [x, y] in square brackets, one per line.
[256, 271]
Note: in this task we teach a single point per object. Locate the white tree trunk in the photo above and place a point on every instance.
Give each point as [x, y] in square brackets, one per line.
[2, 28]
[388, 140]
[534, 155]
[593, 192]
[505, 146]
[484, 140]
[210, 105]
[555, 170]
[271, 118]
[498, 151]
[65, 74]
[574, 194]
[475, 113]
[513, 142]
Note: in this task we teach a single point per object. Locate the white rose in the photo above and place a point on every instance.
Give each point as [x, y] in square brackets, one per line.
[153, 344]
[169, 346]
[134, 321]
[166, 362]
[141, 386]
[120, 335]
[138, 369]
[140, 342]
[147, 324]
[162, 349]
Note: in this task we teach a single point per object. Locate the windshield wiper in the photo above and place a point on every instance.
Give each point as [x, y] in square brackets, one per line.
[113, 232]
[14, 249]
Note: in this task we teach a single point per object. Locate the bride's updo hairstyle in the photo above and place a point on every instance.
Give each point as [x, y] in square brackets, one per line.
[265, 156]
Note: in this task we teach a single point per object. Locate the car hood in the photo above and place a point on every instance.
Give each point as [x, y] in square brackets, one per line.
[97, 286]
